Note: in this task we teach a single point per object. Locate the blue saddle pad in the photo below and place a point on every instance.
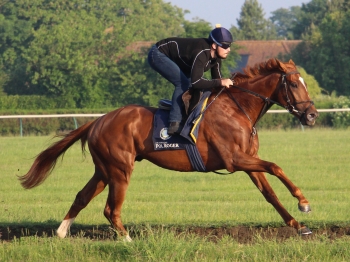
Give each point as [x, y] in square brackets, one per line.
[161, 139]
[187, 139]
[188, 135]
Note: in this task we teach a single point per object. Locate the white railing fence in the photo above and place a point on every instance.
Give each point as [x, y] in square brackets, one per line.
[74, 116]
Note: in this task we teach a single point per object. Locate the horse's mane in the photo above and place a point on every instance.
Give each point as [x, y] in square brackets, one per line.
[264, 68]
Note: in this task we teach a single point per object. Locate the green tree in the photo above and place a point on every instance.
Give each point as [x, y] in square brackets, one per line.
[330, 57]
[311, 15]
[3, 80]
[284, 20]
[199, 28]
[252, 25]
[72, 48]
[346, 5]
[324, 53]
[15, 35]
[82, 51]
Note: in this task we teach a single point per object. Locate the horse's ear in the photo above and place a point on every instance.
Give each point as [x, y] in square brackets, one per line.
[281, 66]
[291, 62]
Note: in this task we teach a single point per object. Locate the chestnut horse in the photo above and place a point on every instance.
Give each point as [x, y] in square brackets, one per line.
[227, 139]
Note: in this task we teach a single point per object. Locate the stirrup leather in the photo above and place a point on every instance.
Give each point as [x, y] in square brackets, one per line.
[164, 104]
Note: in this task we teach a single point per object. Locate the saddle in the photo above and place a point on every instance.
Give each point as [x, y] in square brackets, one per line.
[194, 102]
[190, 98]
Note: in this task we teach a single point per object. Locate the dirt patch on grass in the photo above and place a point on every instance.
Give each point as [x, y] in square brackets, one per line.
[241, 234]
[246, 235]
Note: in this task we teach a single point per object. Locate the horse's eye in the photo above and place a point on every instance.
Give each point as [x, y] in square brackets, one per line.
[294, 84]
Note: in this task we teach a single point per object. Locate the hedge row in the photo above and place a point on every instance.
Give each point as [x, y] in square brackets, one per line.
[39, 105]
[40, 126]
[46, 126]
[35, 102]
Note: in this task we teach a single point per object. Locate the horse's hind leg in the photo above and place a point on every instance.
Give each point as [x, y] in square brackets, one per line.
[259, 179]
[95, 186]
[116, 196]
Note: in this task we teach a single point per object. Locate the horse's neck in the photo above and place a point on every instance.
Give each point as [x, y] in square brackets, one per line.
[264, 85]
[253, 101]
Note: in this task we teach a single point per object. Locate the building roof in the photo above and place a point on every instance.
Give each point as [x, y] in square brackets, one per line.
[253, 52]
[139, 46]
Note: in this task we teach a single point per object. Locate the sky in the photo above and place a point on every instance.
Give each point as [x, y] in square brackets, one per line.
[226, 12]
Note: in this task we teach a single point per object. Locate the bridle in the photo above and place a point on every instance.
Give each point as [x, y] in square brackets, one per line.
[291, 108]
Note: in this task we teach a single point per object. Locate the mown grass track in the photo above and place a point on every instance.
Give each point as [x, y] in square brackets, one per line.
[206, 206]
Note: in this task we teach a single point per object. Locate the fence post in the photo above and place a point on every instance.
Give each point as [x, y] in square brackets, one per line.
[20, 127]
[75, 123]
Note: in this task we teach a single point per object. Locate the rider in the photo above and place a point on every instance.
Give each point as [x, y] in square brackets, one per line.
[183, 61]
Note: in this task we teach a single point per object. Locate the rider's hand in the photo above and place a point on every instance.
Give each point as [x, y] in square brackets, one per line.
[226, 82]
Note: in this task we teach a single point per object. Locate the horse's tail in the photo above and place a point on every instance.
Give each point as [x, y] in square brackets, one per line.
[46, 160]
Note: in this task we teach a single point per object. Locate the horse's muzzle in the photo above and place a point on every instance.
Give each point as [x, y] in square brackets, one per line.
[309, 117]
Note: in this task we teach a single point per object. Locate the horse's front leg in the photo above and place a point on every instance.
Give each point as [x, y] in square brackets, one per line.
[247, 163]
[255, 167]
[303, 204]
[273, 169]
[259, 179]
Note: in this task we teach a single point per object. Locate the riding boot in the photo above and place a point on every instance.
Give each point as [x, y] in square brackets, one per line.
[174, 127]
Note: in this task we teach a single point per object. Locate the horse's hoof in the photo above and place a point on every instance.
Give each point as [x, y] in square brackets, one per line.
[304, 208]
[127, 238]
[304, 231]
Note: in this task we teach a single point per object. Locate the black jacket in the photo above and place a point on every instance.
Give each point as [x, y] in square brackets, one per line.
[192, 55]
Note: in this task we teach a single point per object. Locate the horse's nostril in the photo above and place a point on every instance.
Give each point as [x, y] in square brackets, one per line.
[312, 116]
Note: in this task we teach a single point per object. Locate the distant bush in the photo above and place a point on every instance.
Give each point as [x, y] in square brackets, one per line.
[341, 119]
[313, 87]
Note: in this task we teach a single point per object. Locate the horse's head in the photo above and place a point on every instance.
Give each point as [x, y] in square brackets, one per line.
[278, 83]
[293, 94]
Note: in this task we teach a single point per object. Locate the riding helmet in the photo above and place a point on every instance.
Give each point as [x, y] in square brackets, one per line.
[220, 35]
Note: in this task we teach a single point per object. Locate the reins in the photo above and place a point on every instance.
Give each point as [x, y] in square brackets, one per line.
[205, 109]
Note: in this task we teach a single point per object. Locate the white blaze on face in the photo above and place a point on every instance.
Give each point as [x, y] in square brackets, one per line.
[302, 81]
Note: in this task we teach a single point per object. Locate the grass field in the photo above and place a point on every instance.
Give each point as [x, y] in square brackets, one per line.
[316, 160]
